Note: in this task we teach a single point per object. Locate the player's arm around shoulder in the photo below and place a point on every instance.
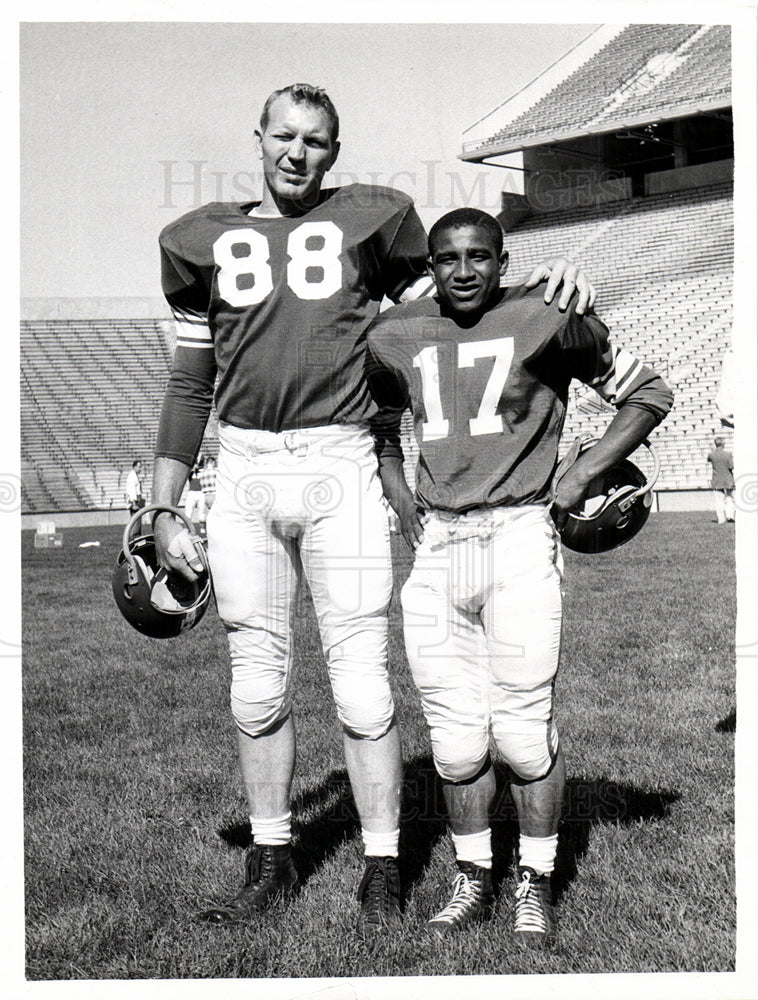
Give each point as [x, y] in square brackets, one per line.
[559, 273]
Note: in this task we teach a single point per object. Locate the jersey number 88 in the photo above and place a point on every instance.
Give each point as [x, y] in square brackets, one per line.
[245, 278]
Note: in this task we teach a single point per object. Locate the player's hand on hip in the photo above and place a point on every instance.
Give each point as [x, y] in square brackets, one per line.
[569, 494]
[559, 272]
[175, 549]
[412, 525]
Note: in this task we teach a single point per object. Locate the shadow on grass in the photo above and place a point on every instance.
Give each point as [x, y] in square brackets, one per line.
[599, 800]
[728, 724]
[324, 817]
[587, 803]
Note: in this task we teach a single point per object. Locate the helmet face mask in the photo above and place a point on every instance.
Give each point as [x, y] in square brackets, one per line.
[618, 504]
[157, 603]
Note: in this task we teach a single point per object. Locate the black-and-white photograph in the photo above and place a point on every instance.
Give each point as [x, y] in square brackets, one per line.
[381, 501]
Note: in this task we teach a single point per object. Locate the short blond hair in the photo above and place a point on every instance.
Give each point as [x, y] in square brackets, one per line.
[304, 93]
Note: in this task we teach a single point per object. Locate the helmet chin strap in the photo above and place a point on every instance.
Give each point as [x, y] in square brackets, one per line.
[653, 477]
[634, 493]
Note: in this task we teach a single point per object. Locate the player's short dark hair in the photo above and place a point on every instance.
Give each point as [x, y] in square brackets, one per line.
[461, 217]
[304, 93]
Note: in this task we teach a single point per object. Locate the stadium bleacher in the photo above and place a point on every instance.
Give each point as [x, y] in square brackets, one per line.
[90, 398]
[663, 265]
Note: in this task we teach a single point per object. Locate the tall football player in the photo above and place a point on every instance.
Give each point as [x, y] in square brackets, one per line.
[486, 372]
[272, 300]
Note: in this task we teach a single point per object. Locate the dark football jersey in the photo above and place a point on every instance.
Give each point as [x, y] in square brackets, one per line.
[273, 311]
[489, 402]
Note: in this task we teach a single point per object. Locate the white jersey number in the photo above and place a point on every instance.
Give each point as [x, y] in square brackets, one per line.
[435, 425]
[320, 263]
[487, 420]
[314, 270]
[244, 276]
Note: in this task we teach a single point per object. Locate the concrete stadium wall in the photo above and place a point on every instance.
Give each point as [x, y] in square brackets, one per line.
[89, 309]
[76, 519]
[682, 500]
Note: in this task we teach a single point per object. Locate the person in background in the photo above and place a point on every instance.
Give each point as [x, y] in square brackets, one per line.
[722, 481]
[194, 501]
[208, 485]
[133, 491]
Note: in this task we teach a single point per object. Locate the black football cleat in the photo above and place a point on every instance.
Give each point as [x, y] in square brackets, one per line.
[269, 877]
[379, 896]
[472, 899]
[535, 924]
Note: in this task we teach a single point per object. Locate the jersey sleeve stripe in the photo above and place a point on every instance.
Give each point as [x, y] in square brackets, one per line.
[422, 288]
[625, 384]
[623, 362]
[607, 383]
[188, 316]
[620, 379]
[191, 330]
[193, 335]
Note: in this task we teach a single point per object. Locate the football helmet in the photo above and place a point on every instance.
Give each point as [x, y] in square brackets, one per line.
[158, 603]
[616, 506]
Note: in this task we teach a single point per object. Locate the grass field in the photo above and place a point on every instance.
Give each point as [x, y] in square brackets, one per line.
[134, 816]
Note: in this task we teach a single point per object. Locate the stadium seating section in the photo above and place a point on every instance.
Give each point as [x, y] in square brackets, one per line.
[664, 268]
[90, 399]
[91, 389]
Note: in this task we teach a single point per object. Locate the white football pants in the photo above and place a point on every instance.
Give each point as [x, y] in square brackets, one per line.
[302, 504]
[482, 620]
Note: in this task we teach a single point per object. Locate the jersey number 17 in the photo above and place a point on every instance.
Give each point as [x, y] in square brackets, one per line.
[487, 420]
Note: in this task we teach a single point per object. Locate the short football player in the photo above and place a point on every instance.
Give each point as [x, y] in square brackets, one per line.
[486, 371]
[272, 300]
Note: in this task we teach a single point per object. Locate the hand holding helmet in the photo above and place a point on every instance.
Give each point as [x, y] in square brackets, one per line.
[569, 486]
[161, 601]
[176, 547]
[610, 508]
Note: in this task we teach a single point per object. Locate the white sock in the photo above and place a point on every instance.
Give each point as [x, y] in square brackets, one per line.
[272, 830]
[538, 852]
[474, 847]
[381, 845]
